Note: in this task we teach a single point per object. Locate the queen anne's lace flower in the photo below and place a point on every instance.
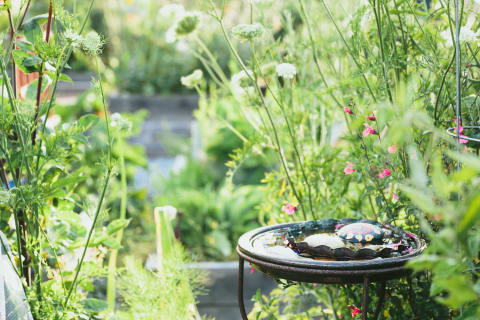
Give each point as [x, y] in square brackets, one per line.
[192, 79]
[185, 25]
[286, 70]
[247, 32]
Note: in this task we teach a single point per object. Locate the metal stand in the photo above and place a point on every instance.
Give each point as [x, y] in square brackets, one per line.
[365, 297]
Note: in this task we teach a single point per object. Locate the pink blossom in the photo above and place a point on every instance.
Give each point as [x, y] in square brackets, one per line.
[252, 269]
[463, 141]
[347, 110]
[355, 310]
[368, 130]
[349, 169]
[395, 196]
[386, 172]
[372, 117]
[392, 149]
[289, 208]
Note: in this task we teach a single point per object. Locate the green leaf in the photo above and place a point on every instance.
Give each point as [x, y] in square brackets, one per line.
[31, 28]
[4, 197]
[117, 225]
[26, 62]
[87, 121]
[467, 159]
[93, 305]
[111, 243]
[471, 216]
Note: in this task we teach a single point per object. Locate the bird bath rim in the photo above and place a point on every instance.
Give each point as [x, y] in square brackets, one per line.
[245, 246]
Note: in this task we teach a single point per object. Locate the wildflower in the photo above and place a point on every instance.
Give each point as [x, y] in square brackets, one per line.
[460, 130]
[372, 117]
[466, 33]
[392, 149]
[347, 110]
[286, 70]
[355, 310]
[192, 79]
[252, 269]
[92, 43]
[395, 196]
[349, 168]
[240, 78]
[247, 32]
[289, 208]
[184, 26]
[73, 38]
[188, 23]
[386, 172]
[368, 130]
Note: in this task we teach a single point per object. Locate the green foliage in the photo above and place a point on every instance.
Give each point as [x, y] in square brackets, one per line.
[213, 218]
[347, 99]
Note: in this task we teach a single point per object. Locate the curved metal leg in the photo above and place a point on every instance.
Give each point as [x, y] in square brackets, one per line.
[241, 304]
[365, 298]
[381, 300]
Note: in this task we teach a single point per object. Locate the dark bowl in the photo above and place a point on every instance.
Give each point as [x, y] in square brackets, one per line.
[321, 271]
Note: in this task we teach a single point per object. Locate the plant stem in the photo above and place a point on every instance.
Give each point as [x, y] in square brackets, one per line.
[314, 52]
[112, 261]
[349, 50]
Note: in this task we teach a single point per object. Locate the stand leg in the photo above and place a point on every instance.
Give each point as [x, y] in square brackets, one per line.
[241, 304]
[365, 298]
[381, 300]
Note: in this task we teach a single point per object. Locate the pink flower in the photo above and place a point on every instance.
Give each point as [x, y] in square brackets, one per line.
[289, 208]
[355, 310]
[347, 110]
[349, 169]
[252, 269]
[368, 130]
[385, 173]
[372, 117]
[392, 149]
[463, 141]
[395, 196]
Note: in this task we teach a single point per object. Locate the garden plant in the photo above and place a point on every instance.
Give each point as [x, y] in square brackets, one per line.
[355, 99]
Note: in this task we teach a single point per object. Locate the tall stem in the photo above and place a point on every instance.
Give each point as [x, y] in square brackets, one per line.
[112, 261]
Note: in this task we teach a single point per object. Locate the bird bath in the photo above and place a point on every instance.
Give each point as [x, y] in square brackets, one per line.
[329, 251]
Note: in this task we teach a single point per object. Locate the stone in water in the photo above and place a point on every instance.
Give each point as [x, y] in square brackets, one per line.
[333, 242]
[361, 232]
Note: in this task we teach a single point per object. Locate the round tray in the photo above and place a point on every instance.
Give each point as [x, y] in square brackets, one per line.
[320, 271]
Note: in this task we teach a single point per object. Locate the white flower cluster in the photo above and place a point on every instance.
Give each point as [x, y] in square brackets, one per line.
[246, 32]
[119, 123]
[467, 34]
[185, 22]
[192, 79]
[286, 70]
[92, 42]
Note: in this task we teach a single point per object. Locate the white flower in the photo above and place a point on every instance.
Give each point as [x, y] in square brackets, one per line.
[238, 78]
[246, 32]
[169, 211]
[254, 1]
[286, 70]
[192, 79]
[466, 33]
[115, 119]
[186, 24]
[172, 11]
